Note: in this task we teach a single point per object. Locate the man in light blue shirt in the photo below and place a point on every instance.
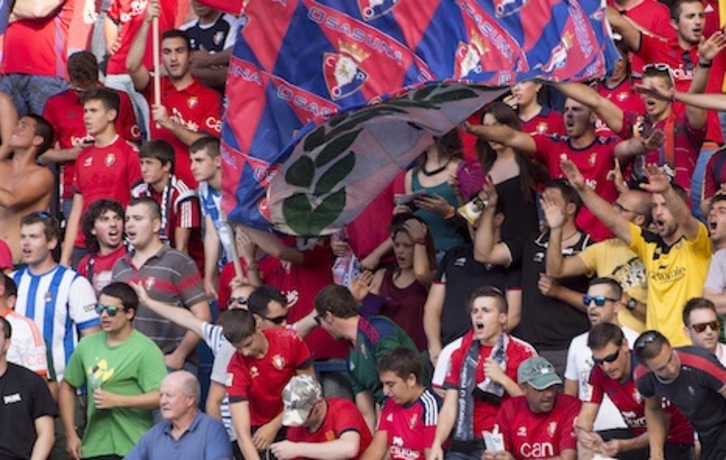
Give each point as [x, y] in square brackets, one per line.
[185, 433]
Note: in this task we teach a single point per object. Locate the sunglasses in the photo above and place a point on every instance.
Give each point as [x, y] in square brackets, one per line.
[645, 339]
[238, 300]
[658, 68]
[598, 299]
[110, 309]
[687, 61]
[277, 320]
[607, 359]
[715, 326]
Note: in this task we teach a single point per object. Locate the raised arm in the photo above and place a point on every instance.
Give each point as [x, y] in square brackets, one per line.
[622, 25]
[176, 315]
[486, 250]
[140, 75]
[599, 207]
[610, 113]
[659, 182]
[503, 134]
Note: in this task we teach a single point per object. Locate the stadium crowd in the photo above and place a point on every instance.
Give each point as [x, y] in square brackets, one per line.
[545, 282]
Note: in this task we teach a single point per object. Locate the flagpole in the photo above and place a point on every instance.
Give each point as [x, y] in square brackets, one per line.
[157, 65]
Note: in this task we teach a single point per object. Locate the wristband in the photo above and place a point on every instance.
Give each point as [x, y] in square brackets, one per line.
[421, 242]
[705, 65]
[451, 213]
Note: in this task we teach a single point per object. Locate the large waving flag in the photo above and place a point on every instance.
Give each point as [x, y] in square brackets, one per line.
[301, 64]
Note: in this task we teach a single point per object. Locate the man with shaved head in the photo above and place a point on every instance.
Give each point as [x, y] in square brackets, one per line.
[185, 433]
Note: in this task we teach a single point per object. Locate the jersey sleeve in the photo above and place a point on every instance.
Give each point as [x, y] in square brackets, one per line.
[568, 435]
[133, 167]
[74, 373]
[231, 38]
[649, 48]
[452, 377]
[544, 145]
[638, 242]
[238, 383]
[43, 402]
[595, 382]
[82, 303]
[188, 214]
[702, 243]
[589, 257]
[571, 367]
[127, 124]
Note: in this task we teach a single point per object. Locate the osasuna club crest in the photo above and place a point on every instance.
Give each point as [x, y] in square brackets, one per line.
[342, 72]
[110, 159]
[371, 9]
[469, 57]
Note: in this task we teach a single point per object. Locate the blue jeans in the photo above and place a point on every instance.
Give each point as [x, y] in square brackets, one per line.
[30, 92]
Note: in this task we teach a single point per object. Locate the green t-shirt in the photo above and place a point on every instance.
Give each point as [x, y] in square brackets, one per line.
[131, 368]
[377, 336]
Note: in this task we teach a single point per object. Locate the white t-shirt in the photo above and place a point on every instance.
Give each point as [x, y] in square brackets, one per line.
[579, 365]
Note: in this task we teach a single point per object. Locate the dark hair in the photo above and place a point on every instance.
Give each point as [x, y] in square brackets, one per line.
[11, 289]
[261, 297]
[697, 303]
[50, 224]
[649, 344]
[603, 333]
[108, 97]
[43, 129]
[150, 204]
[403, 362]
[159, 150]
[675, 9]
[95, 211]
[209, 144]
[530, 173]
[82, 67]
[337, 300]
[124, 293]
[612, 284]
[449, 145]
[569, 194]
[237, 325]
[718, 197]
[487, 291]
[7, 328]
[176, 33]
[397, 226]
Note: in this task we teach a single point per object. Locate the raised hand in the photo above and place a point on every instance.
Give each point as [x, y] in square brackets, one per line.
[577, 180]
[709, 47]
[554, 208]
[658, 180]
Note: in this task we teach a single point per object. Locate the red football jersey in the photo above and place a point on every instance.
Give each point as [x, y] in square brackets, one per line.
[261, 381]
[626, 398]
[39, 46]
[64, 112]
[625, 97]
[411, 429]
[545, 122]
[106, 173]
[485, 413]
[99, 269]
[197, 108]
[594, 161]
[342, 416]
[534, 436]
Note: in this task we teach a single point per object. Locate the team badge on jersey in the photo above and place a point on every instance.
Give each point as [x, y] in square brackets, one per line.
[341, 71]
[110, 159]
[192, 102]
[621, 96]
[279, 362]
[254, 372]
[371, 9]
[551, 428]
[218, 38]
[469, 56]
[592, 159]
[413, 421]
[542, 127]
[150, 281]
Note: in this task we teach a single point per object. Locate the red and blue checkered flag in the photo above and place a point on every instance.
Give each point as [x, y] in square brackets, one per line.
[299, 63]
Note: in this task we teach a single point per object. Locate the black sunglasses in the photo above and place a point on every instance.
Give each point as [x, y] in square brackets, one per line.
[239, 300]
[110, 309]
[715, 326]
[598, 299]
[608, 359]
[277, 320]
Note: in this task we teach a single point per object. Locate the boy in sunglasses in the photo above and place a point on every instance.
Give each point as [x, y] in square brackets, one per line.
[612, 379]
[603, 302]
[122, 369]
[693, 380]
[703, 327]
